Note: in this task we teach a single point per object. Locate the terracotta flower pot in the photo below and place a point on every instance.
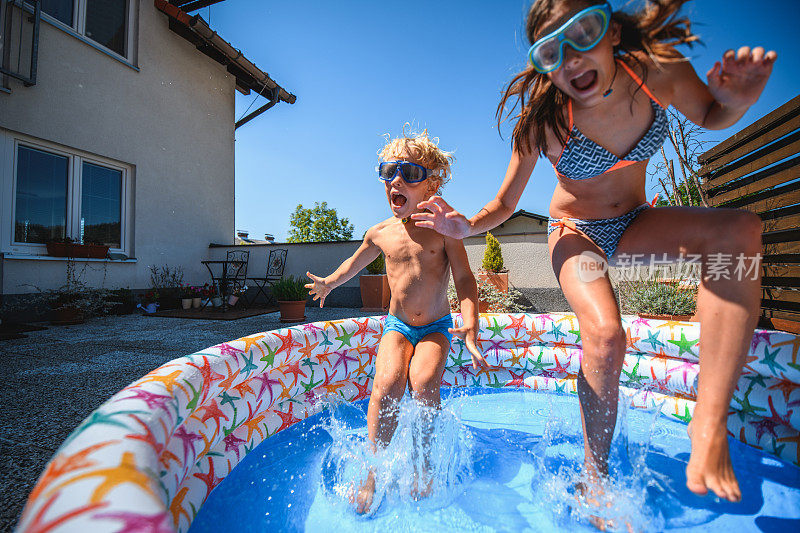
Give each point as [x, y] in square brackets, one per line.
[682, 318]
[186, 303]
[292, 311]
[498, 279]
[232, 299]
[74, 249]
[196, 302]
[375, 294]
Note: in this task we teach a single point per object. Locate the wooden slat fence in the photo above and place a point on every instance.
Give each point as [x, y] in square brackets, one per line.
[758, 169]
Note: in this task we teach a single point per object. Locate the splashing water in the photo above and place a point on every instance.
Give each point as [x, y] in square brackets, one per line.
[497, 462]
[431, 451]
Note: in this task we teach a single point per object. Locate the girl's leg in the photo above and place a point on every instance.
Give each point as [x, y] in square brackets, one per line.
[391, 376]
[728, 313]
[425, 381]
[603, 342]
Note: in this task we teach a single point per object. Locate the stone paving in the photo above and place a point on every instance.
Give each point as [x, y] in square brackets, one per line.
[55, 378]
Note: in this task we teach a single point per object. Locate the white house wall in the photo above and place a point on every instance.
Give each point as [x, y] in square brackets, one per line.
[171, 121]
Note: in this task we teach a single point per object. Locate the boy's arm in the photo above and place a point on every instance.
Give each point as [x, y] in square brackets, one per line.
[467, 291]
[733, 86]
[366, 253]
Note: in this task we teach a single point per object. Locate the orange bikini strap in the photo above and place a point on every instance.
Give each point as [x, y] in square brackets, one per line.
[638, 80]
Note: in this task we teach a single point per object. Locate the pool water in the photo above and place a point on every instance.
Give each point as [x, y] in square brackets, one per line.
[501, 461]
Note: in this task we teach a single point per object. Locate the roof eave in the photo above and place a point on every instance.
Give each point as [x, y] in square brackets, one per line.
[248, 76]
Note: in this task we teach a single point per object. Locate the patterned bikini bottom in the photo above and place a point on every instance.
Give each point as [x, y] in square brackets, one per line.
[604, 232]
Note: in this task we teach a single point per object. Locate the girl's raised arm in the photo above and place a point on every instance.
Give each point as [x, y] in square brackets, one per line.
[447, 221]
[733, 86]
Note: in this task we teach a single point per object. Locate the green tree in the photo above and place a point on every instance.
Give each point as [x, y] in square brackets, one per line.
[318, 224]
[492, 256]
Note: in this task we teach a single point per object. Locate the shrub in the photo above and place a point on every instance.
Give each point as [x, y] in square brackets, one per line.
[377, 266]
[166, 277]
[497, 300]
[658, 297]
[290, 289]
[492, 256]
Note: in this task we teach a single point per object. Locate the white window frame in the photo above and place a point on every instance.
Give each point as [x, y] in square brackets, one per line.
[79, 28]
[11, 143]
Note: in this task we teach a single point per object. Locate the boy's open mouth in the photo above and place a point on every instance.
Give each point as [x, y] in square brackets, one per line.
[585, 81]
[398, 200]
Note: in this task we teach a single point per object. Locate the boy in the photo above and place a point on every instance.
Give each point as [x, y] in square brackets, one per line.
[418, 329]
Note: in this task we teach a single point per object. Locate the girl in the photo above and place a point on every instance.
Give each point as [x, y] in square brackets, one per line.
[592, 100]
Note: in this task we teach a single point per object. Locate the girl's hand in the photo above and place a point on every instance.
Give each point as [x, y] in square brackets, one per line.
[442, 218]
[737, 82]
[470, 335]
[319, 288]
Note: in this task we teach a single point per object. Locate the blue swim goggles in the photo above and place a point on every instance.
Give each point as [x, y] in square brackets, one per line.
[410, 172]
[582, 32]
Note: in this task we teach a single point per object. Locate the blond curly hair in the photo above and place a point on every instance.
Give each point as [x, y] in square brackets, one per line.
[422, 150]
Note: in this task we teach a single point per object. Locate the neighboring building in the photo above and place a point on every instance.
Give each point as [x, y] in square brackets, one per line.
[126, 138]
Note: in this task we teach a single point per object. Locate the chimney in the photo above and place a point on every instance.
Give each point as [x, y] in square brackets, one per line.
[242, 234]
[269, 238]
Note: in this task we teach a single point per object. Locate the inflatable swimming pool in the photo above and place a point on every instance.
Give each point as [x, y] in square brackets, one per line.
[150, 456]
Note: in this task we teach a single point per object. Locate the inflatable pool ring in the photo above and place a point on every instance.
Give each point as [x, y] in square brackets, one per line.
[149, 456]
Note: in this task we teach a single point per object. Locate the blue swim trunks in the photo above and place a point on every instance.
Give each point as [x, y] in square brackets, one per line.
[414, 334]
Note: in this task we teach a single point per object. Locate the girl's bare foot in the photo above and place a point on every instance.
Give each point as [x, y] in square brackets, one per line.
[710, 463]
[363, 499]
[591, 496]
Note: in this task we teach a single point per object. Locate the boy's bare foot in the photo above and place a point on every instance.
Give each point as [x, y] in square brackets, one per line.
[710, 462]
[418, 494]
[363, 499]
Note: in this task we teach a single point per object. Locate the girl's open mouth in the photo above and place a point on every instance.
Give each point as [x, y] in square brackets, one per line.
[398, 200]
[585, 81]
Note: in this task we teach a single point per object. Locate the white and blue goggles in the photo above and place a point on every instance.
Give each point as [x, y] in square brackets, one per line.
[582, 32]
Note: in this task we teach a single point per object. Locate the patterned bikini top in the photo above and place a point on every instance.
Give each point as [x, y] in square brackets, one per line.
[582, 158]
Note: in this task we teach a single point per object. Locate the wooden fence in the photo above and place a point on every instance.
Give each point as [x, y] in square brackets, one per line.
[758, 169]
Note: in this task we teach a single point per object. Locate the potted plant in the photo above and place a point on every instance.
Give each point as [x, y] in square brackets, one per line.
[237, 293]
[168, 282]
[492, 270]
[291, 295]
[490, 299]
[186, 293]
[196, 297]
[659, 298]
[68, 247]
[375, 295]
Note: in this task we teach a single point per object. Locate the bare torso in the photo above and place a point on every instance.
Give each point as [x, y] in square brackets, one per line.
[418, 270]
[617, 125]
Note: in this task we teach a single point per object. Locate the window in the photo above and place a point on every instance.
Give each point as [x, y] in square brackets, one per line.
[106, 22]
[59, 9]
[41, 213]
[57, 193]
[101, 201]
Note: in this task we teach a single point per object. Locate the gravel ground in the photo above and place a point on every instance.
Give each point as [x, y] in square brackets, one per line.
[55, 378]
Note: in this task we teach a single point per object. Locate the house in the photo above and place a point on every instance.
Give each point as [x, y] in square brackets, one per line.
[117, 126]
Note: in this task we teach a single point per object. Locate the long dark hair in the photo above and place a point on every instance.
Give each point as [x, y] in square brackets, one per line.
[655, 30]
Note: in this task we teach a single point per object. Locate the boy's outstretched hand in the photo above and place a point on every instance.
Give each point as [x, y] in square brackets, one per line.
[738, 80]
[319, 289]
[470, 336]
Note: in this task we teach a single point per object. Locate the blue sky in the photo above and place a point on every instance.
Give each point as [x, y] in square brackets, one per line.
[362, 68]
